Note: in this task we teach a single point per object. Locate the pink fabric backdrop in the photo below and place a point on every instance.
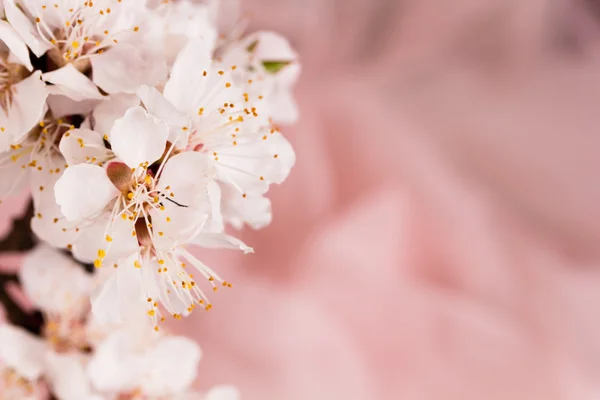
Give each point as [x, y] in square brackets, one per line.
[439, 237]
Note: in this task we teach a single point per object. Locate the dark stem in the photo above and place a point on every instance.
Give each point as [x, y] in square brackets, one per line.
[32, 322]
[20, 237]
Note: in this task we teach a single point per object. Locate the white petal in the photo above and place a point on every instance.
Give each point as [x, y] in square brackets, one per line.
[15, 44]
[254, 210]
[161, 108]
[187, 174]
[221, 241]
[48, 223]
[93, 238]
[115, 367]
[176, 225]
[243, 165]
[171, 366]
[25, 28]
[61, 106]
[54, 282]
[83, 146]
[83, 190]
[122, 298]
[111, 109]
[222, 392]
[13, 177]
[22, 351]
[138, 137]
[66, 376]
[183, 21]
[272, 47]
[70, 82]
[186, 81]
[28, 105]
[283, 108]
[126, 67]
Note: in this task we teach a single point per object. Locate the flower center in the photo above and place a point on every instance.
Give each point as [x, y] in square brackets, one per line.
[77, 33]
[10, 74]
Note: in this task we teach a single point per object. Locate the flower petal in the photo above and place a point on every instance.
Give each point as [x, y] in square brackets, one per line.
[18, 49]
[121, 298]
[70, 82]
[28, 106]
[83, 190]
[61, 106]
[14, 172]
[272, 46]
[244, 164]
[254, 210]
[171, 366]
[126, 67]
[54, 282]
[66, 376]
[111, 109]
[94, 237]
[48, 223]
[115, 367]
[22, 351]
[80, 146]
[25, 28]
[222, 392]
[161, 108]
[186, 174]
[186, 82]
[138, 138]
[174, 224]
[221, 241]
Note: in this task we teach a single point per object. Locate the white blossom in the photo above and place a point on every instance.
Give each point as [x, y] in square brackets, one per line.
[119, 41]
[141, 129]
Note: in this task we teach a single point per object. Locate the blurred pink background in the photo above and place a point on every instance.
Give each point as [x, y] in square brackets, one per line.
[439, 237]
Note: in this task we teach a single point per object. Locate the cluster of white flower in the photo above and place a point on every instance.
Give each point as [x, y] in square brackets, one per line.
[82, 358]
[140, 130]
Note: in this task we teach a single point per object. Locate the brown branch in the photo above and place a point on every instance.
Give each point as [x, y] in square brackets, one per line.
[20, 237]
[31, 322]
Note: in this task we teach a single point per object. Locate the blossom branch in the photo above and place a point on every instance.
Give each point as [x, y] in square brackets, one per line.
[20, 237]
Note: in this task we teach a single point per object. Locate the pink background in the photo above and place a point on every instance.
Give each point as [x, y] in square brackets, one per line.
[439, 237]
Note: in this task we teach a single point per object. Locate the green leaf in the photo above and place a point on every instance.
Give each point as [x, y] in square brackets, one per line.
[275, 66]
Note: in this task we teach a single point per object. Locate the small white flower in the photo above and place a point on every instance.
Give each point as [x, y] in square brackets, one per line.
[22, 352]
[138, 211]
[267, 60]
[43, 154]
[228, 125]
[183, 21]
[157, 367]
[56, 284]
[119, 41]
[60, 288]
